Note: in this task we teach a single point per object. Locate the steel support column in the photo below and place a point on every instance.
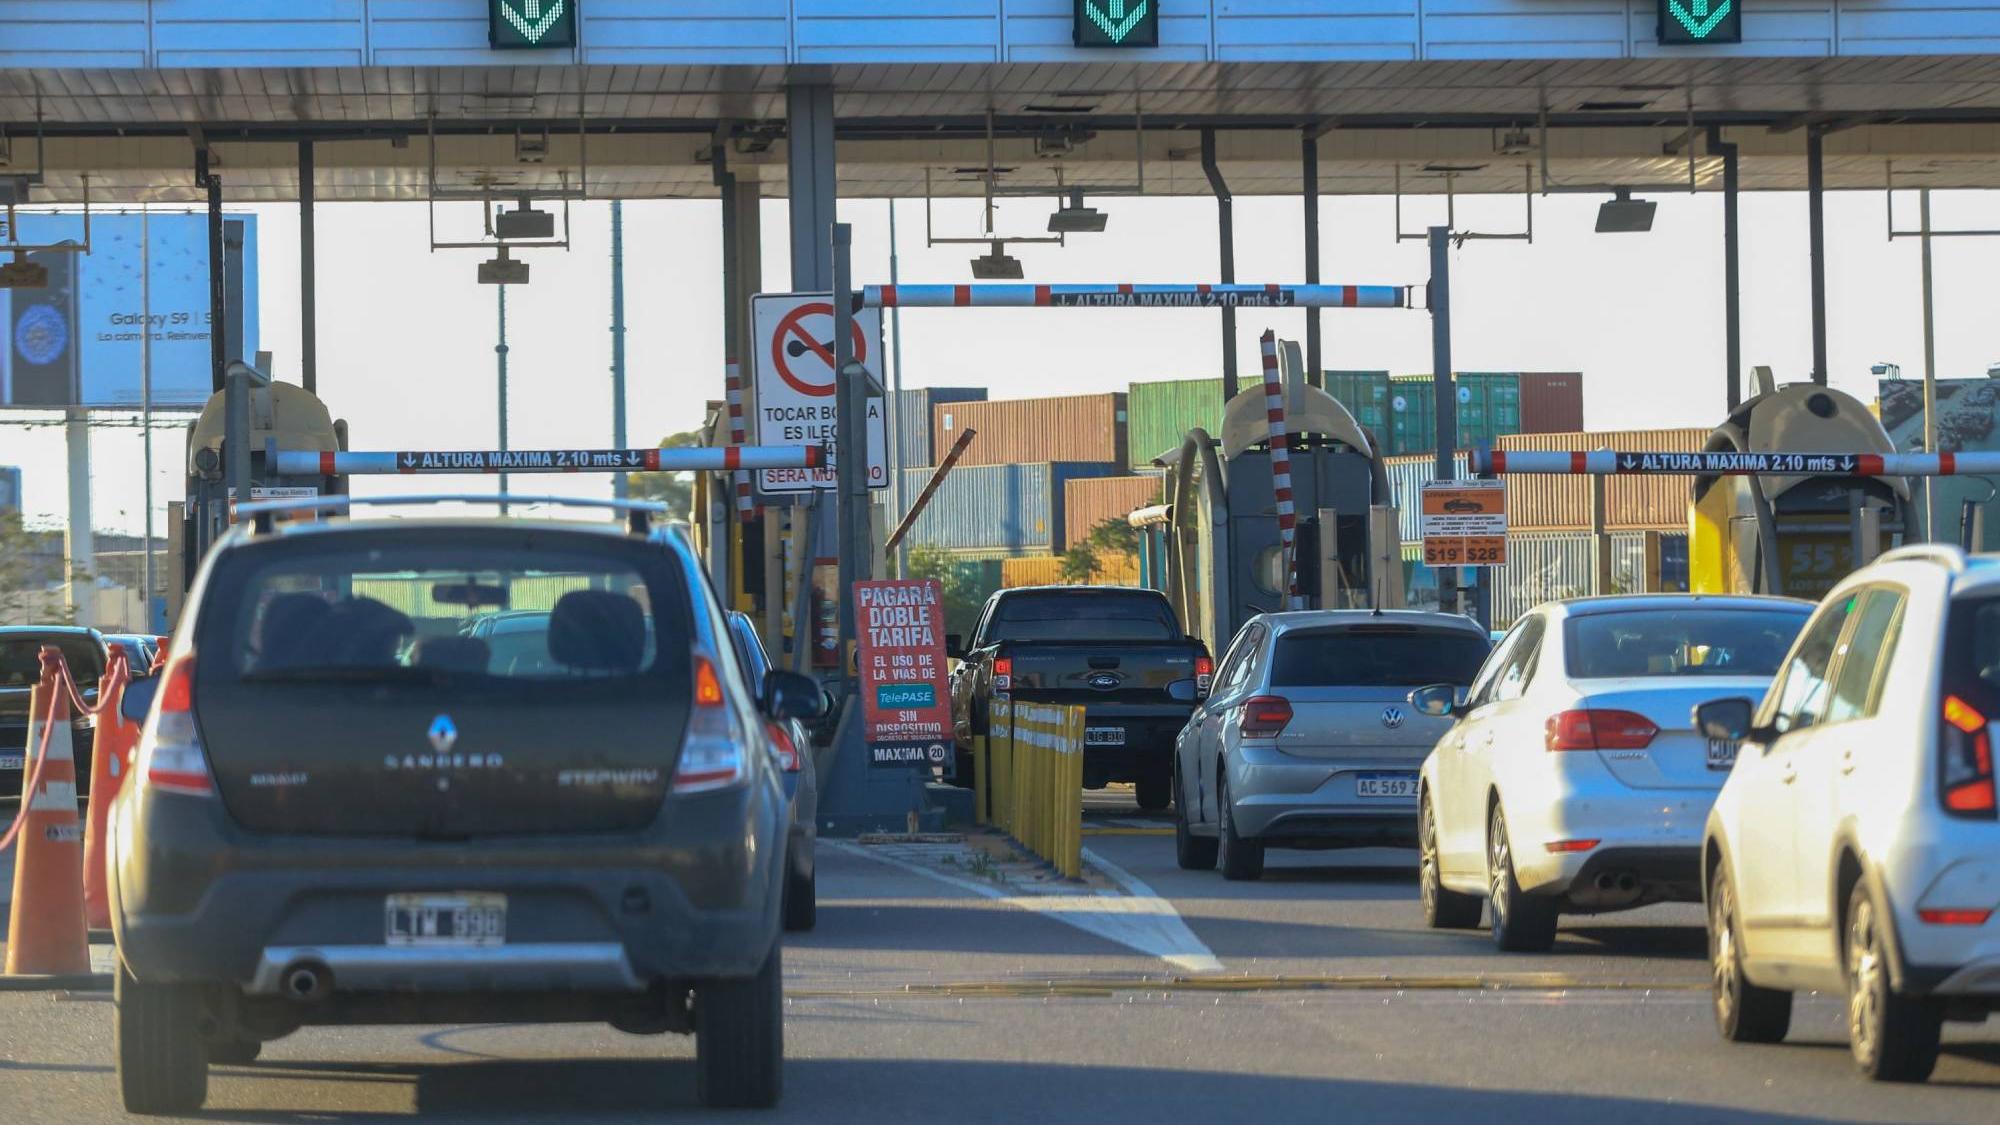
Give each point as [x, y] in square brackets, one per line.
[308, 281]
[1225, 219]
[1309, 154]
[620, 486]
[218, 291]
[1441, 381]
[1816, 220]
[1732, 265]
[814, 189]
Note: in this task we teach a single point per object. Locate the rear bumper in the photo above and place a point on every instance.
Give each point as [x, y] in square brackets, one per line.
[1287, 800]
[1148, 750]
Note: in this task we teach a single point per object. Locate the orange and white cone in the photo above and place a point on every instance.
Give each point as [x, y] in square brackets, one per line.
[112, 744]
[45, 925]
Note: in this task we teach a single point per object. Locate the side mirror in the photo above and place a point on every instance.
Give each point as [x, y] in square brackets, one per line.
[788, 695]
[954, 645]
[1439, 701]
[1726, 720]
[138, 699]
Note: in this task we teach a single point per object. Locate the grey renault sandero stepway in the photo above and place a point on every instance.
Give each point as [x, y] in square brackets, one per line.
[352, 804]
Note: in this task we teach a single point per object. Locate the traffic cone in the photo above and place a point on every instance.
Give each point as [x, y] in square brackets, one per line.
[110, 760]
[45, 927]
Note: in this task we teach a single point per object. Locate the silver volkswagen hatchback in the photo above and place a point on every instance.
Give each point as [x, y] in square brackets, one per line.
[1308, 740]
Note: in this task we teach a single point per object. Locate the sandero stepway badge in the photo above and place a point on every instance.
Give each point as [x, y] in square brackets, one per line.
[443, 734]
[1392, 717]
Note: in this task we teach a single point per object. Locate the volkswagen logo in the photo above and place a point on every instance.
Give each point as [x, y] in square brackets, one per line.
[1392, 717]
[1104, 681]
[443, 734]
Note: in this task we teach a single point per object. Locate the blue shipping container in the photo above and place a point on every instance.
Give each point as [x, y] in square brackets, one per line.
[1015, 508]
[913, 440]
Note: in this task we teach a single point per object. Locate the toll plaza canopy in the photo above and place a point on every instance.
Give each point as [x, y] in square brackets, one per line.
[917, 87]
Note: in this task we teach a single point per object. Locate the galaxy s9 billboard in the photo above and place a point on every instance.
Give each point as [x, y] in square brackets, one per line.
[80, 339]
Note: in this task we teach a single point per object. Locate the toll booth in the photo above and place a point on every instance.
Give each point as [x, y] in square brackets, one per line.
[1795, 535]
[1215, 548]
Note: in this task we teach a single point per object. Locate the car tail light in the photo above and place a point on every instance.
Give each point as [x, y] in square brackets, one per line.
[1558, 847]
[1265, 716]
[712, 755]
[1594, 729]
[1955, 917]
[170, 756]
[1965, 761]
[1003, 673]
[1204, 676]
[788, 751]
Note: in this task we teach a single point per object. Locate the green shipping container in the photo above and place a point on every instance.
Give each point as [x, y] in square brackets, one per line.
[1365, 394]
[1489, 407]
[1159, 415]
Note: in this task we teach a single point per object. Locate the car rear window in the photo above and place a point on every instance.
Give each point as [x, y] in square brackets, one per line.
[1376, 656]
[21, 659]
[1083, 616]
[428, 610]
[1972, 651]
[1682, 641]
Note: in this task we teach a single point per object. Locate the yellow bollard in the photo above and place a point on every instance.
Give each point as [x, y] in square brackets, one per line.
[981, 788]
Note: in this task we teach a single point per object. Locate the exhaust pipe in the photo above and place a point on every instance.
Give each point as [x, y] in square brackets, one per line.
[1628, 883]
[1606, 882]
[308, 981]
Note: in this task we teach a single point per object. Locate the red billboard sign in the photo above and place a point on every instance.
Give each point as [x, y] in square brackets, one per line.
[900, 648]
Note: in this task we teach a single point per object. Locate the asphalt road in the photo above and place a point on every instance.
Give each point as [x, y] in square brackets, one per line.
[918, 999]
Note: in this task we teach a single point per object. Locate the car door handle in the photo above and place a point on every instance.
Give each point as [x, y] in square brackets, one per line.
[1847, 761]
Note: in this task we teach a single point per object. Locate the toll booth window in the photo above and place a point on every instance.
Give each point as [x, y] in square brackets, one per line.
[21, 660]
[1095, 615]
[423, 615]
[1681, 642]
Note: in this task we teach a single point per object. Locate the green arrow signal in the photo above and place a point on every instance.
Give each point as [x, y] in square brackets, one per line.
[1701, 22]
[1117, 23]
[533, 22]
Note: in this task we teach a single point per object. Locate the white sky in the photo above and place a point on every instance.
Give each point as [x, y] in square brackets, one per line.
[406, 336]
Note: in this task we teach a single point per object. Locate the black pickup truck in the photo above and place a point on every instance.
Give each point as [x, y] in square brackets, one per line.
[1116, 650]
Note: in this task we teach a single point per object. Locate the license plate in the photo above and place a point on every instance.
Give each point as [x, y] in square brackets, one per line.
[13, 762]
[1392, 785]
[1721, 754]
[1104, 736]
[449, 919]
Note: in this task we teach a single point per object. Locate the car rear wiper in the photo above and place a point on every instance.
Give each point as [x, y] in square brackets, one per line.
[348, 673]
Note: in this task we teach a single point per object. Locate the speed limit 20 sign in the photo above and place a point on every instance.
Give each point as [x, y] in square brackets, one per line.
[796, 404]
[1464, 523]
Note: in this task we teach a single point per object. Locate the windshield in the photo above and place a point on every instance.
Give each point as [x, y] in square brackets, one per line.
[1084, 615]
[1376, 656]
[21, 660]
[1682, 642]
[431, 612]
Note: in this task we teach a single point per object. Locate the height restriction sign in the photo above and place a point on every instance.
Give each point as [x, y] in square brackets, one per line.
[1464, 523]
[796, 404]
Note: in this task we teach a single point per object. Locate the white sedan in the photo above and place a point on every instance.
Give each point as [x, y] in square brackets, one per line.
[1573, 780]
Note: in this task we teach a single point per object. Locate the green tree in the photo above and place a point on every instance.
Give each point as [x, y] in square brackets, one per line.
[676, 490]
[964, 592]
[1111, 538]
[26, 575]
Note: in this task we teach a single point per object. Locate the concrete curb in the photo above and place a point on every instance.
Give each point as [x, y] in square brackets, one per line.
[56, 982]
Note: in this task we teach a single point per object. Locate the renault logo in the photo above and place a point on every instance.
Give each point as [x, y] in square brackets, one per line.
[1104, 681]
[443, 734]
[1392, 717]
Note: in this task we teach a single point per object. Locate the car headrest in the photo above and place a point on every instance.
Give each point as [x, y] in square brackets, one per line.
[595, 631]
[362, 631]
[451, 654]
[288, 634]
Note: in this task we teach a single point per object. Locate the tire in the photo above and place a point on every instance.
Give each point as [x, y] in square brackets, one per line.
[234, 1052]
[1894, 1037]
[161, 1061]
[1444, 909]
[1155, 791]
[1241, 860]
[1522, 923]
[739, 1037]
[801, 900]
[1744, 1012]
[1192, 852]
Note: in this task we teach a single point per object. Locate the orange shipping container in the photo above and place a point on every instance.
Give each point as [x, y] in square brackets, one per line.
[1023, 430]
[1089, 502]
[1113, 570]
[1562, 503]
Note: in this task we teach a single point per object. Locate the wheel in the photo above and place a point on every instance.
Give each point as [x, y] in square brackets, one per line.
[1443, 909]
[162, 1065]
[801, 899]
[1155, 791]
[1522, 923]
[1894, 1037]
[234, 1052]
[1239, 858]
[1192, 852]
[1744, 1012]
[739, 1038]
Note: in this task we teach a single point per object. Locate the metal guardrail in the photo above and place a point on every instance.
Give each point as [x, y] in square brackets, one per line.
[1029, 774]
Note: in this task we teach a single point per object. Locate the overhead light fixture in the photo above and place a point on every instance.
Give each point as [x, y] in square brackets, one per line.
[1622, 214]
[1886, 370]
[524, 222]
[20, 273]
[1075, 218]
[997, 265]
[503, 270]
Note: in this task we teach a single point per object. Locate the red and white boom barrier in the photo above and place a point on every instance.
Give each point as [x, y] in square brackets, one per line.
[1005, 296]
[1610, 462]
[312, 462]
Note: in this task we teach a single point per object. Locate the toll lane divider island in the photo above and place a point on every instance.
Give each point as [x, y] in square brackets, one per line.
[309, 462]
[1033, 768]
[1610, 462]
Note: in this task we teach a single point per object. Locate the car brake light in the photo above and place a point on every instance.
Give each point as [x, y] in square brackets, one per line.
[1204, 675]
[788, 751]
[170, 757]
[712, 754]
[1955, 917]
[1558, 847]
[1003, 673]
[1965, 765]
[1595, 729]
[1265, 716]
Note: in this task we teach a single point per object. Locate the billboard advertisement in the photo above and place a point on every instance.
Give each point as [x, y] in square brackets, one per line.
[77, 341]
[1968, 421]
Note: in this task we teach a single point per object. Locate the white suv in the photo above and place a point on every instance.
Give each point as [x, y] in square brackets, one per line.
[1855, 845]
